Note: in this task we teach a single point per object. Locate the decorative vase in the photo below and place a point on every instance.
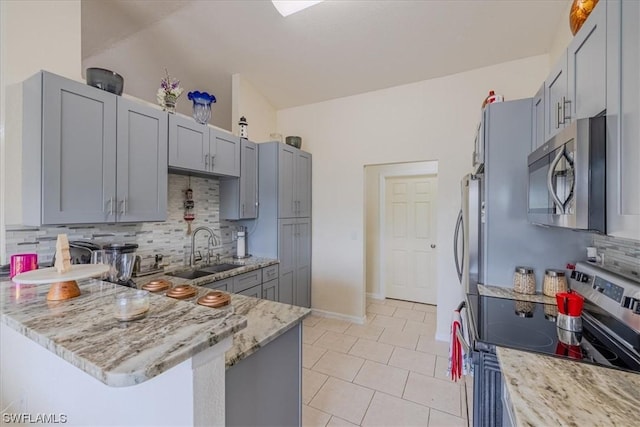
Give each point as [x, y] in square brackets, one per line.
[170, 103]
[580, 10]
[201, 106]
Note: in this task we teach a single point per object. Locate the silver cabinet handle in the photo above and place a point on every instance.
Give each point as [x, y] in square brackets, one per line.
[552, 191]
[213, 161]
[433, 246]
[558, 112]
[111, 206]
[124, 206]
[243, 209]
[565, 117]
[206, 161]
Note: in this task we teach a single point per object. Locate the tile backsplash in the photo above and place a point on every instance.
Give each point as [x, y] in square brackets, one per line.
[168, 238]
[620, 255]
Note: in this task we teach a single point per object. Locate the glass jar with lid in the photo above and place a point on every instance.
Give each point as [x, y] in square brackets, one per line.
[554, 281]
[524, 281]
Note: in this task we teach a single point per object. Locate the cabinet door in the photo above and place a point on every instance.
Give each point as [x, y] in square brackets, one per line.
[555, 97]
[286, 180]
[623, 118]
[287, 257]
[587, 66]
[188, 144]
[303, 262]
[249, 180]
[246, 280]
[225, 285]
[302, 184]
[227, 156]
[78, 153]
[255, 292]
[141, 162]
[538, 137]
[270, 290]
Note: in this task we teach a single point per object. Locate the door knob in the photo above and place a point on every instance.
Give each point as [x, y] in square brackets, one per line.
[433, 246]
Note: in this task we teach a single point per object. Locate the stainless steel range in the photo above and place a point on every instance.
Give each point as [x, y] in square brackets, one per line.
[610, 331]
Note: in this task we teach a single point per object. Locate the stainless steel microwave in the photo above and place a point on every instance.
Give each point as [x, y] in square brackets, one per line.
[567, 186]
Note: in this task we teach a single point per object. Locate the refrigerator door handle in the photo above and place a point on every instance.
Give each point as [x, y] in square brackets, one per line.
[456, 234]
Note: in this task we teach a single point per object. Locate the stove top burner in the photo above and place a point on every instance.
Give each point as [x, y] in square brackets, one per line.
[503, 331]
[496, 324]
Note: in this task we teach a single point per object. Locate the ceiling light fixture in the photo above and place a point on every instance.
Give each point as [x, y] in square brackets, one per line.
[288, 7]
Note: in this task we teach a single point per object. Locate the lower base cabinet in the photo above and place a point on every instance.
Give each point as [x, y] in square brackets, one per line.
[270, 290]
[255, 292]
[261, 283]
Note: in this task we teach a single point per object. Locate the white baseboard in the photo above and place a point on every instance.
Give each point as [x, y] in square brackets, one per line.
[339, 316]
[375, 296]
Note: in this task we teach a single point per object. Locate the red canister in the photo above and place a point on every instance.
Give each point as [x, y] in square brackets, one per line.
[21, 263]
[570, 303]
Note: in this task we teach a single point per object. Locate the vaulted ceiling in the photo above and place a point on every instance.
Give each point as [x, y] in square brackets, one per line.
[334, 49]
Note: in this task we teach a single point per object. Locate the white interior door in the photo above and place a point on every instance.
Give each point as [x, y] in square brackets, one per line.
[410, 238]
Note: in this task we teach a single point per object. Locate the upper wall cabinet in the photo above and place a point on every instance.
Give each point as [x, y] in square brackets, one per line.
[294, 182]
[239, 196]
[576, 86]
[202, 150]
[623, 118]
[71, 134]
[538, 137]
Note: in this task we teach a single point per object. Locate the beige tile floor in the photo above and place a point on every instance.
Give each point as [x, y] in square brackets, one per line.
[389, 372]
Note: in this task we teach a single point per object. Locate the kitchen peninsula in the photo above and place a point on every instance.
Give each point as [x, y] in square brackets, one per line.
[168, 368]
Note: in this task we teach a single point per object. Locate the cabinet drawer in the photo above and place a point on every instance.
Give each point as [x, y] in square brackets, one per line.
[255, 292]
[270, 273]
[247, 280]
[220, 285]
[270, 290]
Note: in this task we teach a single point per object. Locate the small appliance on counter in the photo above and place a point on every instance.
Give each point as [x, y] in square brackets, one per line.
[123, 257]
[241, 243]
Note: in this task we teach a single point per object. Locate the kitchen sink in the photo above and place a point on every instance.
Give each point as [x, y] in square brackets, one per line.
[203, 271]
[218, 268]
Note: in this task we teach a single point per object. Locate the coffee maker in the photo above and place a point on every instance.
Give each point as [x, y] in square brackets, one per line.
[121, 256]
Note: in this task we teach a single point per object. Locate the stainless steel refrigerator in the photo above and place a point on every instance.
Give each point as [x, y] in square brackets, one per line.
[492, 234]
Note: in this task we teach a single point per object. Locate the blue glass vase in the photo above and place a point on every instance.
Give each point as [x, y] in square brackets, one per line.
[201, 105]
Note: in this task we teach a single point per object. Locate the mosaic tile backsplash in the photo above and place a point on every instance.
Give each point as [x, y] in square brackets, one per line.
[620, 255]
[168, 238]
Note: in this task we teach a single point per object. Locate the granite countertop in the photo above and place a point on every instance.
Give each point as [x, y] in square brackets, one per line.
[546, 390]
[509, 293]
[84, 332]
[266, 320]
[244, 266]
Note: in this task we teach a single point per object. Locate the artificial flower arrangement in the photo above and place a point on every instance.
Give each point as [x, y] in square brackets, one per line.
[168, 92]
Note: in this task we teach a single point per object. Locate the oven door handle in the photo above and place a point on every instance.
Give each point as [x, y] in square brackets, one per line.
[552, 192]
[456, 234]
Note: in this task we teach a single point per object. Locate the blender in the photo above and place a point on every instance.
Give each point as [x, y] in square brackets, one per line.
[121, 256]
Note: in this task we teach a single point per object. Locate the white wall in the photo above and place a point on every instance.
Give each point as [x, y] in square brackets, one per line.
[34, 35]
[562, 37]
[248, 102]
[429, 120]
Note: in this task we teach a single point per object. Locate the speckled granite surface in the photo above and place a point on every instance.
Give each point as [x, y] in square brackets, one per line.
[244, 266]
[266, 320]
[509, 293]
[84, 332]
[550, 391]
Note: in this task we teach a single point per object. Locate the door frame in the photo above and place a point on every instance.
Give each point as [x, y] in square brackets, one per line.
[411, 170]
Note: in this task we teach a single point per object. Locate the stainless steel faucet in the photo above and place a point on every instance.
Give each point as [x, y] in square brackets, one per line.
[212, 238]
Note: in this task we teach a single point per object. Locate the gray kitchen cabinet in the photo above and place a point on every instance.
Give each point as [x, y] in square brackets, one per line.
[587, 66]
[225, 160]
[142, 175]
[270, 290]
[188, 145]
[248, 280]
[202, 150]
[79, 142]
[295, 260]
[239, 196]
[225, 285]
[294, 182]
[623, 118]
[284, 193]
[556, 104]
[255, 292]
[538, 137]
